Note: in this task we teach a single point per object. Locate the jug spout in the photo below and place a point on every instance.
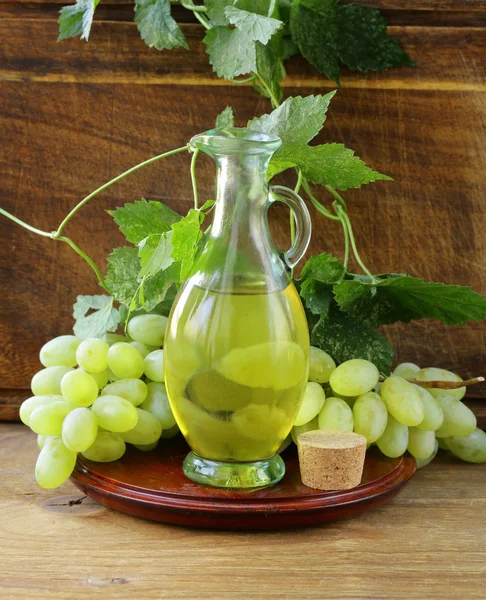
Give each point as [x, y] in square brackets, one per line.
[236, 140]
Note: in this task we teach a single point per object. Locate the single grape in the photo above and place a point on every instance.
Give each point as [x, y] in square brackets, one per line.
[471, 448]
[28, 406]
[310, 426]
[115, 414]
[148, 329]
[434, 374]
[125, 361]
[394, 441]
[133, 390]
[92, 355]
[41, 441]
[402, 401]
[48, 381]
[458, 418]
[423, 462]
[113, 338]
[433, 413]
[54, 464]
[406, 370]
[167, 434]
[142, 348]
[442, 443]
[354, 377]
[111, 376]
[79, 388]
[107, 447]
[60, 351]
[421, 443]
[154, 365]
[47, 420]
[336, 414]
[312, 402]
[321, 365]
[157, 402]
[79, 429]
[370, 416]
[147, 430]
[146, 447]
[100, 378]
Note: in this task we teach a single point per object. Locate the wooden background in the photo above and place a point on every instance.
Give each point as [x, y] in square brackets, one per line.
[75, 114]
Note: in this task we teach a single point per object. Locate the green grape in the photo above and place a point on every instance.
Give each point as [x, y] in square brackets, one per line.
[471, 448]
[133, 390]
[321, 365]
[312, 402]
[79, 429]
[107, 447]
[147, 430]
[354, 377]
[394, 441]
[336, 414]
[423, 462]
[154, 365]
[458, 418]
[402, 401]
[60, 352]
[252, 421]
[79, 388]
[406, 370]
[115, 414]
[148, 329]
[142, 348]
[421, 443]
[370, 416]
[157, 402]
[92, 355]
[310, 426]
[434, 374]
[125, 361]
[100, 378]
[433, 413]
[41, 441]
[146, 447]
[48, 381]
[442, 443]
[167, 434]
[48, 419]
[54, 464]
[111, 376]
[113, 338]
[28, 406]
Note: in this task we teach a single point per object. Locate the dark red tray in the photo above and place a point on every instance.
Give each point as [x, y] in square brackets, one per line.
[151, 485]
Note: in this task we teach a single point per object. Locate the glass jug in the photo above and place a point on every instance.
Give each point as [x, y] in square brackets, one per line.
[236, 350]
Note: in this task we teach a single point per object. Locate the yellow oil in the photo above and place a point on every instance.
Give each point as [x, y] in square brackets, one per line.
[235, 369]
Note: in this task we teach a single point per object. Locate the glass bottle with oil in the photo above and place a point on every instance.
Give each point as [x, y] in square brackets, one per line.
[237, 344]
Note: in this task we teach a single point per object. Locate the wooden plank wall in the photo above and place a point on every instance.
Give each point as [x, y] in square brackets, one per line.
[75, 114]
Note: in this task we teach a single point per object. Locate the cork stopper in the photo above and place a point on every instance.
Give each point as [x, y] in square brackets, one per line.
[331, 460]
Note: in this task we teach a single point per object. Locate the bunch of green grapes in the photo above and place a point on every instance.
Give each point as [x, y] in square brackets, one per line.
[96, 395]
[396, 415]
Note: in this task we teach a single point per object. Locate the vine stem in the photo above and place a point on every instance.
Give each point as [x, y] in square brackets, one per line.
[111, 182]
[25, 225]
[317, 205]
[447, 385]
[193, 177]
[83, 255]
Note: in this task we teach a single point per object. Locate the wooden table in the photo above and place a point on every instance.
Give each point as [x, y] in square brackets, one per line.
[430, 542]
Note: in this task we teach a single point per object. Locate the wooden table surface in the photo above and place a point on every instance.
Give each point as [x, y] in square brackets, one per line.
[430, 542]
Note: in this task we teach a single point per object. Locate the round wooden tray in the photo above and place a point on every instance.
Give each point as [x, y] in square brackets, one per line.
[151, 485]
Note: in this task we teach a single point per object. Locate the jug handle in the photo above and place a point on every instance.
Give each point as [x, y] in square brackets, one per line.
[303, 225]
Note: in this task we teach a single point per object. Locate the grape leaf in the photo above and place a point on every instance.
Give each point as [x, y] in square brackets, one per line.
[344, 338]
[315, 32]
[317, 296]
[216, 12]
[325, 268]
[259, 28]
[362, 42]
[225, 119]
[186, 234]
[404, 298]
[231, 51]
[296, 121]
[155, 253]
[270, 68]
[96, 324]
[156, 26]
[76, 19]
[140, 219]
